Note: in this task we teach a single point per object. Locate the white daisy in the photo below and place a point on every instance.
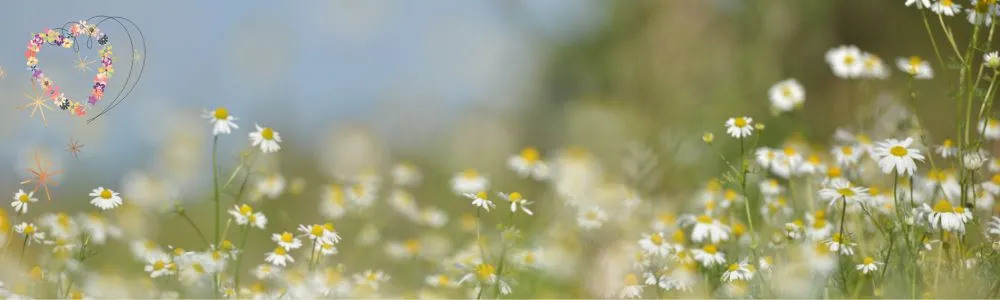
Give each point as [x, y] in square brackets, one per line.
[469, 182]
[707, 229]
[105, 199]
[279, 257]
[654, 244]
[591, 218]
[921, 4]
[529, 163]
[266, 138]
[516, 200]
[993, 226]
[98, 228]
[222, 122]
[841, 244]
[945, 217]
[847, 155]
[631, 287]
[897, 155]
[873, 67]
[709, 256]
[738, 271]
[915, 66]
[740, 127]
[31, 232]
[271, 186]
[286, 240]
[405, 174]
[946, 149]
[991, 60]
[245, 215]
[786, 95]
[868, 265]
[440, 280]
[990, 129]
[371, 278]
[845, 61]
[946, 7]
[332, 203]
[765, 156]
[980, 13]
[159, 264]
[481, 200]
[840, 189]
[265, 271]
[21, 200]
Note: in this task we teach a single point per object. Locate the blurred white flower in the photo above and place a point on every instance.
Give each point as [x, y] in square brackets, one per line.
[222, 122]
[787, 95]
[266, 138]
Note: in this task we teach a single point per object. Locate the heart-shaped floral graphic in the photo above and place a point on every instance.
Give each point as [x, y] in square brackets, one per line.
[67, 39]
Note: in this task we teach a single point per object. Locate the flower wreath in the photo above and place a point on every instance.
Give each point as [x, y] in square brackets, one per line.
[60, 37]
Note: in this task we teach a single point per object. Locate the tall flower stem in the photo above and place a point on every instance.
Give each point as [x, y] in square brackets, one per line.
[215, 188]
[746, 200]
[239, 258]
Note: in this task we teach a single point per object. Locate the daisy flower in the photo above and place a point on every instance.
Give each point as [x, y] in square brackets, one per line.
[265, 271]
[371, 278]
[516, 200]
[991, 60]
[946, 149]
[591, 218]
[786, 95]
[993, 226]
[943, 216]
[840, 189]
[222, 122]
[266, 138]
[286, 240]
[765, 156]
[980, 12]
[60, 225]
[845, 61]
[654, 244]
[921, 4]
[159, 264]
[631, 288]
[847, 155]
[990, 129]
[278, 257]
[481, 200]
[271, 186]
[529, 163]
[709, 256]
[405, 174]
[897, 155]
[841, 244]
[31, 232]
[21, 200]
[245, 215]
[873, 67]
[740, 127]
[440, 280]
[320, 234]
[98, 228]
[915, 66]
[469, 182]
[947, 8]
[868, 265]
[332, 203]
[738, 271]
[105, 199]
[706, 228]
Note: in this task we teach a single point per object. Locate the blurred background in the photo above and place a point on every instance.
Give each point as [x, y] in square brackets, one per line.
[447, 85]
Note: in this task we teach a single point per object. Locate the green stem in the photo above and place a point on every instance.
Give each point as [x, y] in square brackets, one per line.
[215, 188]
[239, 258]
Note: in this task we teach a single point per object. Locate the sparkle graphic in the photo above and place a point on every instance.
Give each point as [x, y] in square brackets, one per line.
[37, 104]
[42, 177]
[74, 147]
[83, 64]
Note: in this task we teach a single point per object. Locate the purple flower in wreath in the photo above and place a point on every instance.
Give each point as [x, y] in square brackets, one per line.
[59, 40]
[92, 100]
[37, 40]
[36, 72]
[106, 61]
[100, 85]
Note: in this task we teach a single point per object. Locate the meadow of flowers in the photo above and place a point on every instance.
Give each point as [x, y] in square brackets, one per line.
[881, 209]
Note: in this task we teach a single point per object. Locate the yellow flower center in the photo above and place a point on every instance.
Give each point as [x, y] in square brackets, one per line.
[849, 59]
[631, 280]
[943, 206]
[482, 195]
[227, 245]
[995, 179]
[730, 194]
[178, 251]
[159, 265]
[846, 192]
[710, 249]
[286, 237]
[820, 223]
[529, 258]
[914, 63]
[657, 239]
[739, 229]
[267, 133]
[948, 143]
[412, 245]
[470, 174]
[704, 219]
[869, 260]
[442, 280]
[279, 251]
[221, 113]
[959, 209]
[530, 154]
[329, 227]
[786, 91]
[898, 151]
[316, 231]
[63, 220]
[833, 172]
[714, 185]
[847, 150]
[734, 267]
[106, 194]
[813, 159]
[23, 198]
[246, 210]
[667, 218]
[515, 196]
[198, 268]
[485, 271]
[679, 237]
[740, 122]
[591, 215]
[76, 295]
[36, 273]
